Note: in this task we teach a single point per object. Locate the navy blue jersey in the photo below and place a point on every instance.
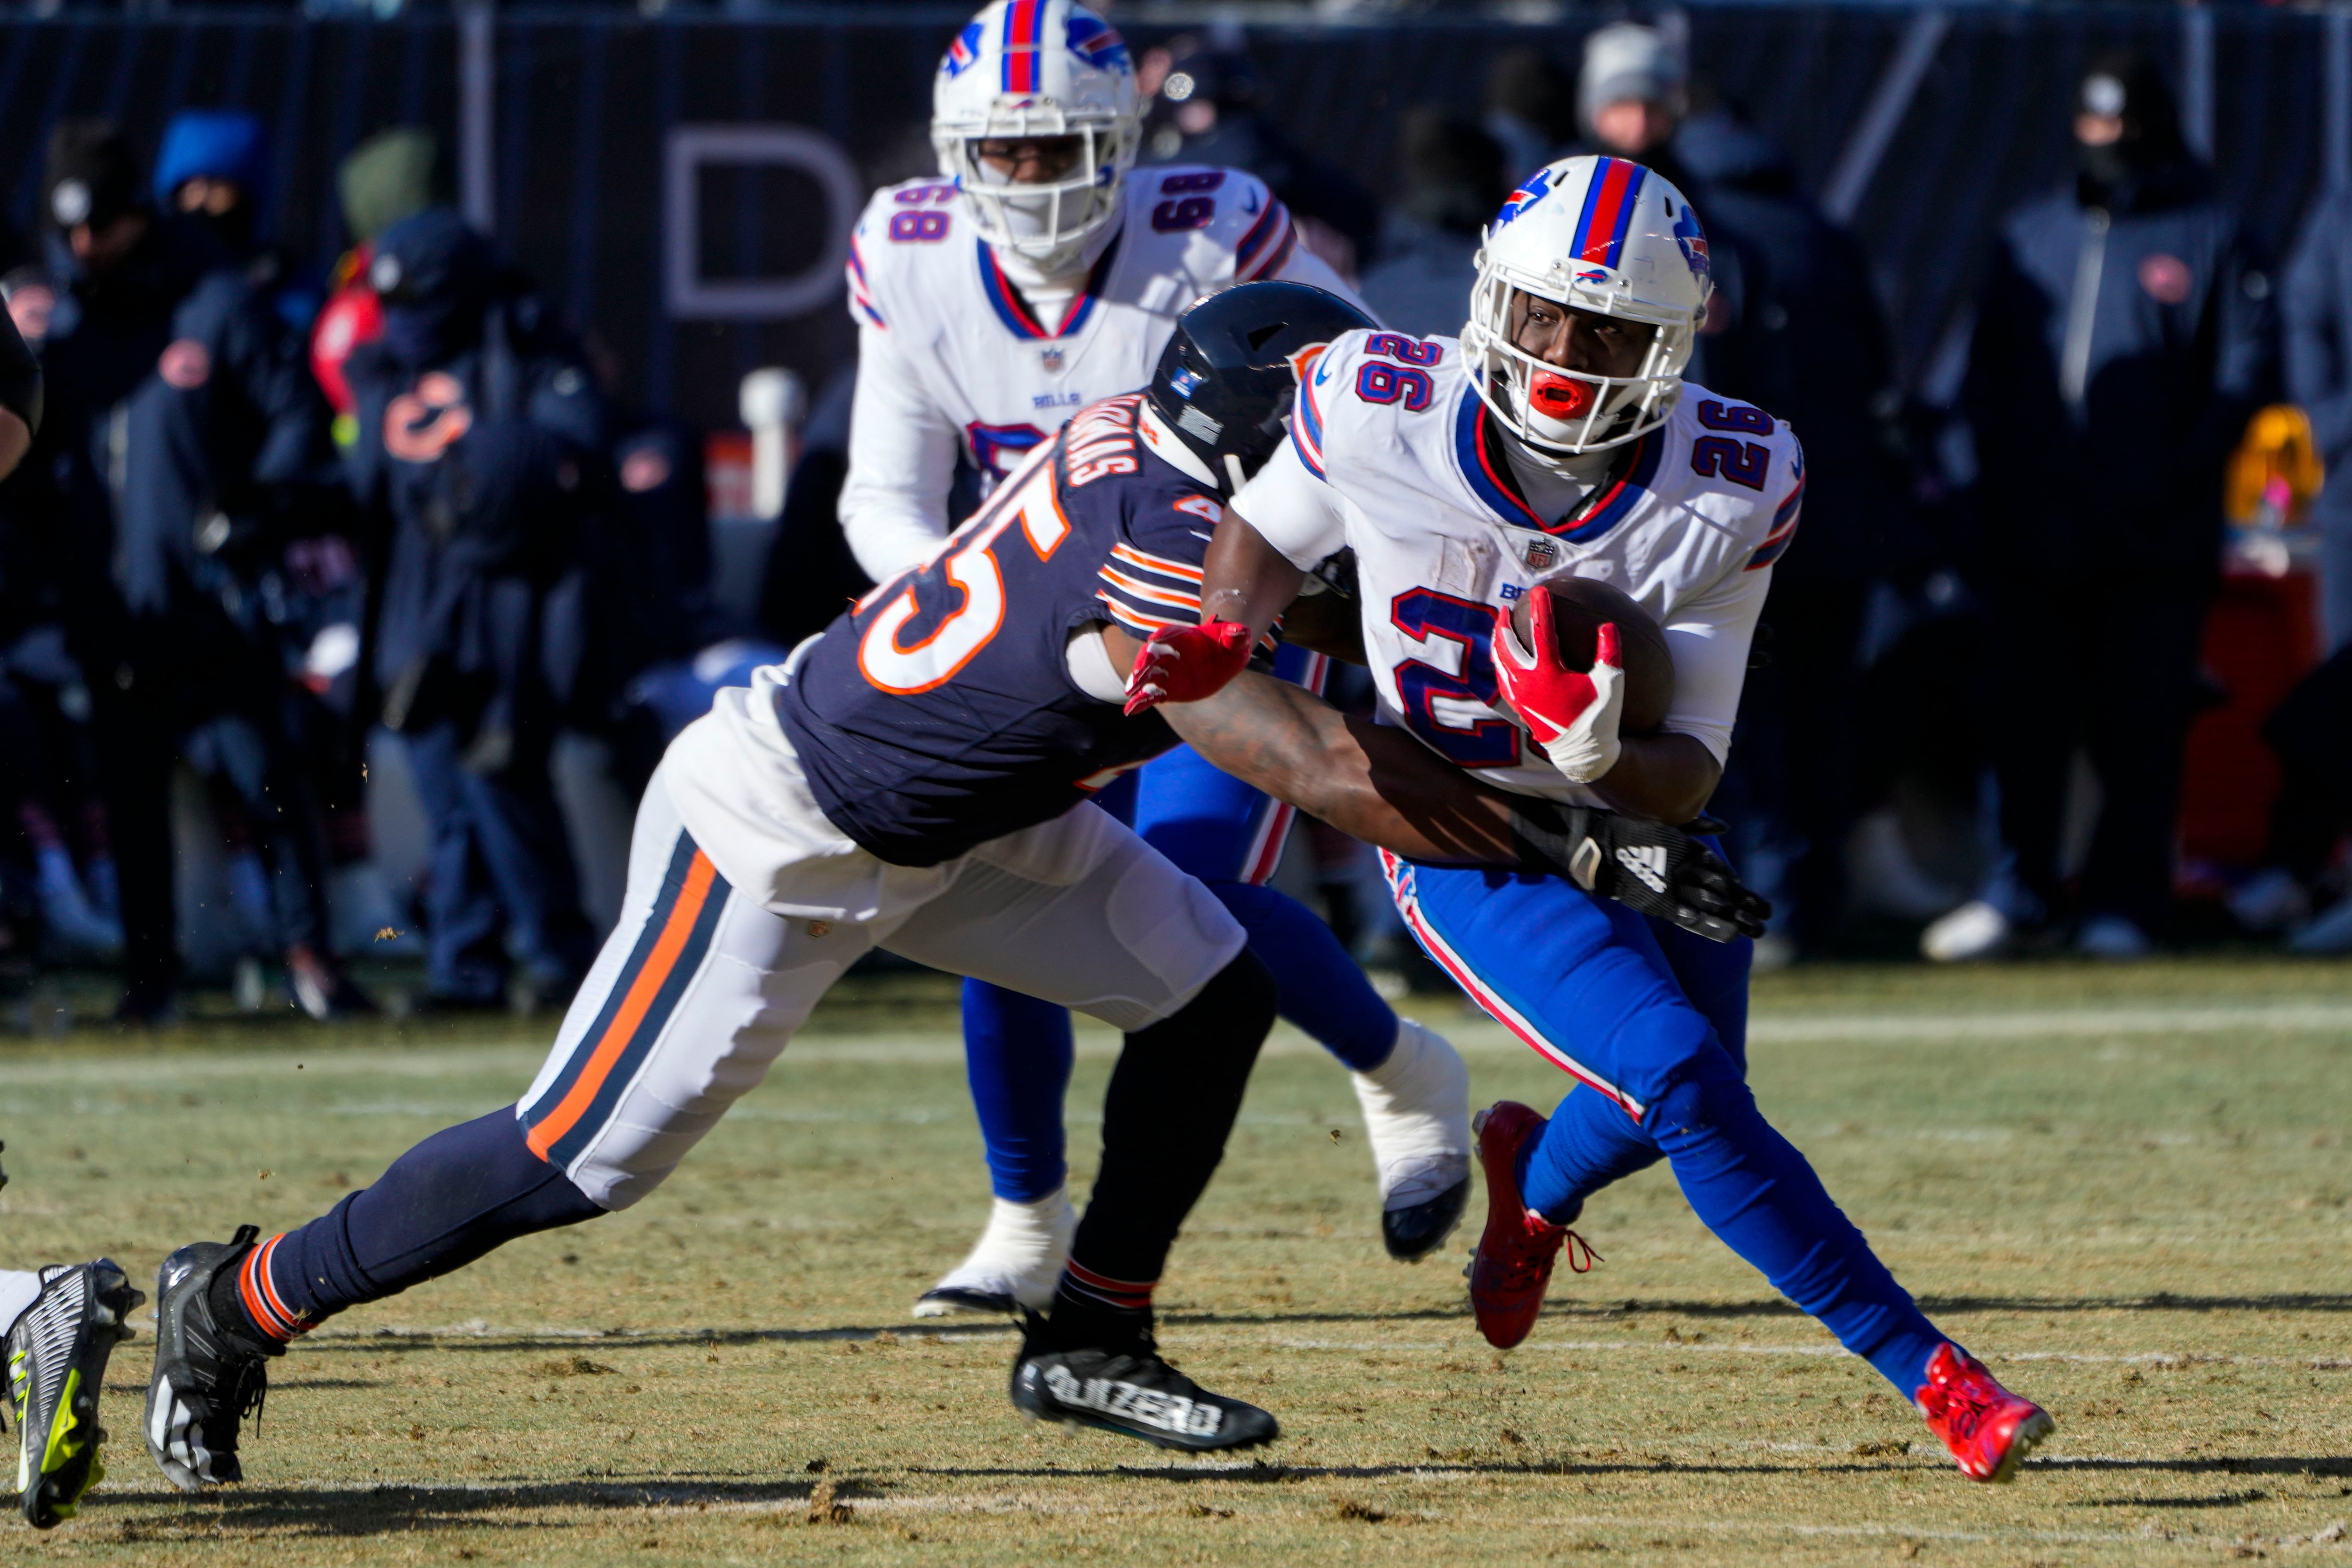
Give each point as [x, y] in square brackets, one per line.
[939, 711]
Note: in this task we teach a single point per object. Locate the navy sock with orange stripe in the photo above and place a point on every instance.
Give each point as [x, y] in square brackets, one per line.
[1172, 1102]
[1096, 1311]
[462, 1193]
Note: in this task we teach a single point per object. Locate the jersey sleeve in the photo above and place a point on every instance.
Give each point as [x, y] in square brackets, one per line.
[1152, 579]
[1709, 636]
[1783, 531]
[902, 457]
[1291, 501]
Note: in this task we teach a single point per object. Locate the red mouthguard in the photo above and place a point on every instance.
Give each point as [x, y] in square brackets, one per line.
[1560, 396]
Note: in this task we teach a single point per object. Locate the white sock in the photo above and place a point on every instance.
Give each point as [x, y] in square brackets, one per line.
[18, 1293]
[1416, 1109]
[1023, 1249]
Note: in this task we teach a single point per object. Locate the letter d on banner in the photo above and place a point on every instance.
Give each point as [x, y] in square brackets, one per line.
[692, 149]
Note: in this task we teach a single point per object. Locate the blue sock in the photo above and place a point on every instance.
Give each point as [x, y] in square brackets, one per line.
[1756, 1192]
[1590, 1142]
[1017, 1053]
[462, 1193]
[1320, 988]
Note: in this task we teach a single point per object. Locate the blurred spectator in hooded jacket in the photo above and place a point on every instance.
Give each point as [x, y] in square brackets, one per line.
[481, 453]
[1631, 97]
[1207, 105]
[172, 434]
[228, 484]
[2123, 336]
[1450, 182]
[1804, 339]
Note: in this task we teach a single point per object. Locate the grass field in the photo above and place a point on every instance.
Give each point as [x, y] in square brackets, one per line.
[2127, 1188]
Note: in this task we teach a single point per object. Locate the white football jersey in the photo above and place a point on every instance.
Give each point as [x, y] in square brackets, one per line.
[953, 359]
[1393, 455]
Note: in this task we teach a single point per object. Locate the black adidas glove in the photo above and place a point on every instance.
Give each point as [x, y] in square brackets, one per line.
[1648, 866]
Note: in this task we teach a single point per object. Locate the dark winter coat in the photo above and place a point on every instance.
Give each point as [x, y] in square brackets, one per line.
[2122, 340]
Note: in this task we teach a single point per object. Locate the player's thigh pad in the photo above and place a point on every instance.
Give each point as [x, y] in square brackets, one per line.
[694, 992]
[1081, 911]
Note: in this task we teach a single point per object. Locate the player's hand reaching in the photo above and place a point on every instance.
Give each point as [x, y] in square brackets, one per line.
[1185, 664]
[1646, 866]
[1572, 713]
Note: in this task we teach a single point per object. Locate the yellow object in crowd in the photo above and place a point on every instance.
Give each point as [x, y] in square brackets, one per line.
[2275, 473]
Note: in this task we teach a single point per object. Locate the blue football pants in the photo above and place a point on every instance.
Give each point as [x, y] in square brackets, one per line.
[1651, 1021]
[1018, 1051]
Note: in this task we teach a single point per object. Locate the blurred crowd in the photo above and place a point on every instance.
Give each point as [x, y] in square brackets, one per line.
[285, 522]
[271, 512]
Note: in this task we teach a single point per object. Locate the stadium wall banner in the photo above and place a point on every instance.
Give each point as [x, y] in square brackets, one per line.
[682, 188]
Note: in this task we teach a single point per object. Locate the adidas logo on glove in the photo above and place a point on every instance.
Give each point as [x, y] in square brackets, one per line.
[1647, 861]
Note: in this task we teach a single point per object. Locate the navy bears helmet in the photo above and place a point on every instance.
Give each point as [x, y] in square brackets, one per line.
[1224, 382]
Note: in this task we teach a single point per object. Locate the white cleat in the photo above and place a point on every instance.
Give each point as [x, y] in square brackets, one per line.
[1974, 931]
[1016, 1263]
[1416, 1109]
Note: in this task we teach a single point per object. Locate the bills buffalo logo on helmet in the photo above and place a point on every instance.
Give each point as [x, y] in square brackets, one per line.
[1693, 239]
[1523, 199]
[1096, 42]
[965, 52]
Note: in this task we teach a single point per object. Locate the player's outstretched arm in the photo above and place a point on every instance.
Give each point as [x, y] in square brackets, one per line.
[1244, 578]
[1386, 788]
[1246, 583]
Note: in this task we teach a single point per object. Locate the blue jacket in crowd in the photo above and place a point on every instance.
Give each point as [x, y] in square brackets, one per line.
[226, 455]
[2125, 333]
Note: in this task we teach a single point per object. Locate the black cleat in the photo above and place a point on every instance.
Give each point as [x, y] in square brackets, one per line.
[1135, 1393]
[1413, 1233]
[209, 1375]
[56, 1365]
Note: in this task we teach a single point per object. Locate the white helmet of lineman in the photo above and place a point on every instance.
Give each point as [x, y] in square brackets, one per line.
[1604, 234]
[1026, 69]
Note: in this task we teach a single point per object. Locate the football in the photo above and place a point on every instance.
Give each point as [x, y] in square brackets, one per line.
[1580, 605]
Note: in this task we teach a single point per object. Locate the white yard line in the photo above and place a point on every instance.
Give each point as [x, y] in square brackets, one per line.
[146, 1068]
[657, 1497]
[1230, 1334]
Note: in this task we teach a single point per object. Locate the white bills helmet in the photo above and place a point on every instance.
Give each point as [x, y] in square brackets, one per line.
[1038, 68]
[1604, 234]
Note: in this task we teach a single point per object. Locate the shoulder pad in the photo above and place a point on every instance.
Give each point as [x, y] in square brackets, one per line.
[904, 225]
[1229, 208]
[1752, 456]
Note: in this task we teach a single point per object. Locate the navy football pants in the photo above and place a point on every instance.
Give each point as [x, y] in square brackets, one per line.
[1653, 1023]
[1018, 1051]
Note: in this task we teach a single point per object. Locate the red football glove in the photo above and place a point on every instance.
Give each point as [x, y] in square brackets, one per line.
[1572, 714]
[1184, 664]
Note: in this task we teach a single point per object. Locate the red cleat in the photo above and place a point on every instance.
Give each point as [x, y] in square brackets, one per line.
[1988, 1428]
[1513, 1263]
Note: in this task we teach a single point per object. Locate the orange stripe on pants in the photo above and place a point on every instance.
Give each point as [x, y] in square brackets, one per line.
[691, 897]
